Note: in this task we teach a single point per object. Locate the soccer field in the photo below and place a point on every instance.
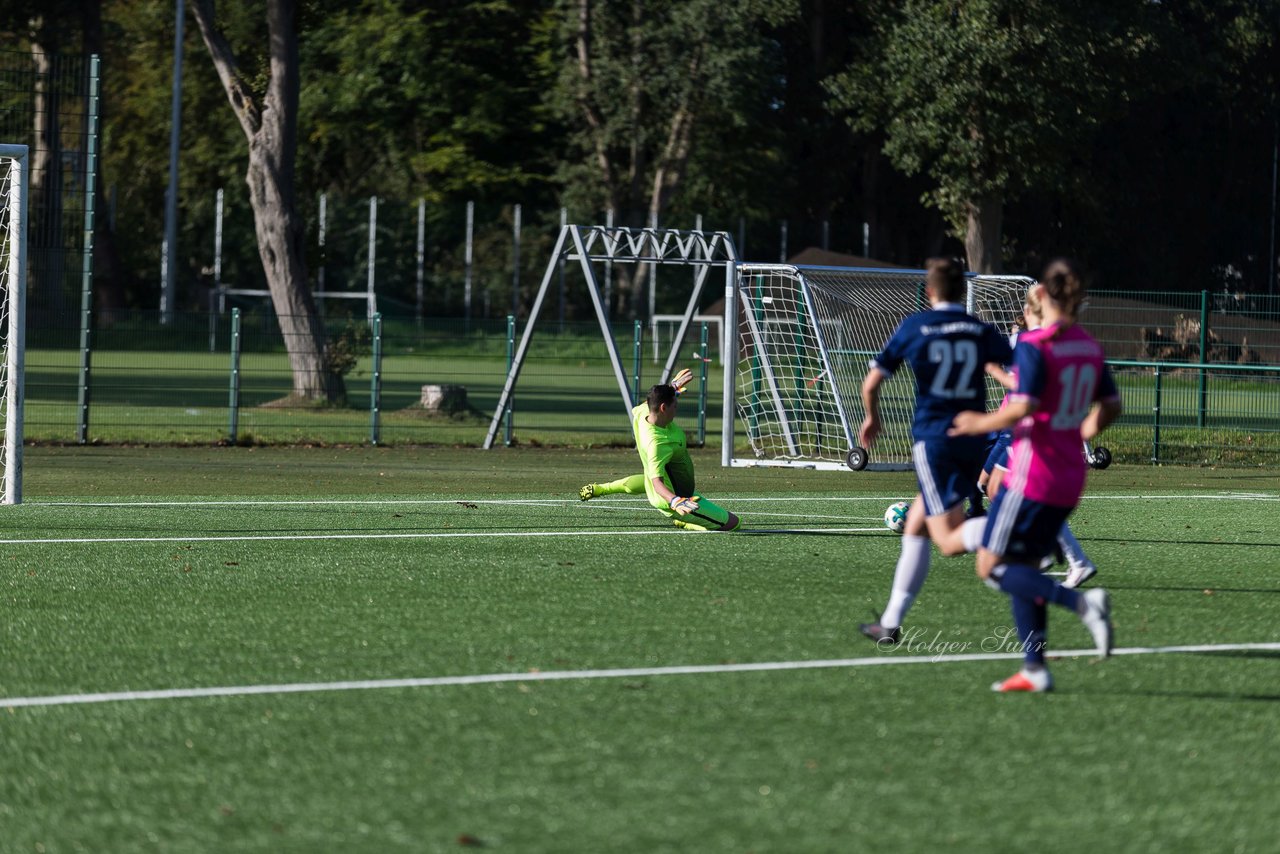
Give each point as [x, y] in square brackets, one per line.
[290, 649]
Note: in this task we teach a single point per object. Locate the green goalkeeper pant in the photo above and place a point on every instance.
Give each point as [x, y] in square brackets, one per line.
[708, 517]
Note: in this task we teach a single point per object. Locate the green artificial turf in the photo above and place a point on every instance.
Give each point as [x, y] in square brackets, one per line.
[179, 589]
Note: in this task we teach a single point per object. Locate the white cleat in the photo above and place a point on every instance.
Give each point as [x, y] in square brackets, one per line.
[1097, 619]
[1078, 575]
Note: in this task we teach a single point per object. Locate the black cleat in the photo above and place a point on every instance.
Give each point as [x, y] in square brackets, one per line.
[881, 635]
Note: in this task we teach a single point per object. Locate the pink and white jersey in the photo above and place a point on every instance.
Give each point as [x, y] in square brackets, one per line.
[1060, 370]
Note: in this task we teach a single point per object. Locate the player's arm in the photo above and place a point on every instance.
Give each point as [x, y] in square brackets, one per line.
[1107, 410]
[1000, 375]
[870, 428]
[1023, 399]
[655, 463]
[882, 367]
[682, 504]
[974, 423]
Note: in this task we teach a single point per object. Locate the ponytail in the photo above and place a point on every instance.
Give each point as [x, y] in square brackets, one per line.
[1063, 284]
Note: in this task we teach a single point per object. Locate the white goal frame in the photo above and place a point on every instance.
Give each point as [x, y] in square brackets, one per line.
[14, 191]
[795, 357]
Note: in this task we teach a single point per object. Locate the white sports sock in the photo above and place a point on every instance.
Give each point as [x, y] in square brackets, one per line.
[1071, 548]
[908, 578]
[971, 533]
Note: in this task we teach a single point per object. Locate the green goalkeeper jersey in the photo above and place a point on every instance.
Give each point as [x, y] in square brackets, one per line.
[664, 452]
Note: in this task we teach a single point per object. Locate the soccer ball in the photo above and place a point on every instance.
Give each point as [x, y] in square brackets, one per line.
[895, 516]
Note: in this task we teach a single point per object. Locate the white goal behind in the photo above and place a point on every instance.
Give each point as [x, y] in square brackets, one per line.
[805, 336]
[13, 286]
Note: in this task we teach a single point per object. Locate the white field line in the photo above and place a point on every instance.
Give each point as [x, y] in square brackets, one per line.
[560, 502]
[409, 535]
[617, 673]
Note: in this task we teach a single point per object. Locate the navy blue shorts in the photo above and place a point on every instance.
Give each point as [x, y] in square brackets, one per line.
[999, 452]
[946, 470]
[1021, 529]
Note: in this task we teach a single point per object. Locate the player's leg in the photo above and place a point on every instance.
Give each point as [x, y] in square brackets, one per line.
[947, 471]
[633, 485]
[1079, 567]
[908, 578]
[708, 517]
[1020, 532]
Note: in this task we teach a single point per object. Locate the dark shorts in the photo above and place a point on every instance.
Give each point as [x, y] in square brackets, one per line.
[1021, 529]
[946, 470]
[998, 455]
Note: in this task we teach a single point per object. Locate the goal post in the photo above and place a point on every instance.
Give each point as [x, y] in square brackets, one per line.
[804, 340]
[14, 184]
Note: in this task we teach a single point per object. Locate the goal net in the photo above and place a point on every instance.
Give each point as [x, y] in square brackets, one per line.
[805, 338]
[13, 281]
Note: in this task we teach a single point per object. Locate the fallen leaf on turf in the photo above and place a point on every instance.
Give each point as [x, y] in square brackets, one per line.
[469, 505]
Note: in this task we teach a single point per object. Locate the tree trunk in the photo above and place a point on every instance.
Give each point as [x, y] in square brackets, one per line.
[280, 238]
[983, 235]
[272, 130]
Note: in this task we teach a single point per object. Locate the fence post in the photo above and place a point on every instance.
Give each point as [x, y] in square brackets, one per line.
[233, 403]
[635, 383]
[371, 299]
[375, 384]
[86, 278]
[213, 321]
[511, 353]
[702, 389]
[1204, 357]
[421, 260]
[1155, 426]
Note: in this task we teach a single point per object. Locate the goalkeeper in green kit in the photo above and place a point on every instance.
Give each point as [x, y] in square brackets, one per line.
[668, 471]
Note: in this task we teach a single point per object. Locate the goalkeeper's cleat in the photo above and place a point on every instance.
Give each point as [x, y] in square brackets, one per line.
[687, 526]
[1033, 681]
[587, 492]
[1079, 574]
[881, 635]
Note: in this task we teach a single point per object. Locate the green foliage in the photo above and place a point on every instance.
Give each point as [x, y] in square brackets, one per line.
[437, 100]
[992, 97]
[655, 71]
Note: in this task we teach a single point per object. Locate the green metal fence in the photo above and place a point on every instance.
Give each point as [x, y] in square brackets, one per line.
[211, 378]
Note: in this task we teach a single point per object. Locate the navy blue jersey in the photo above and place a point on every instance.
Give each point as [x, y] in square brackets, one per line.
[947, 349]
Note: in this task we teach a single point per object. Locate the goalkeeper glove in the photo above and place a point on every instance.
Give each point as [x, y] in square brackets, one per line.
[681, 380]
[683, 506]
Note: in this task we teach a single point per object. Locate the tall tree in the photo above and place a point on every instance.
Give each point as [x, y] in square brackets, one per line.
[270, 123]
[991, 97]
[641, 81]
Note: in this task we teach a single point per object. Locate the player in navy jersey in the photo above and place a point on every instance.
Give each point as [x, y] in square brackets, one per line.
[947, 349]
[1060, 376]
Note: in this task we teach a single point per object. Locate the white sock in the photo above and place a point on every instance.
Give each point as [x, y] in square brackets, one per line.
[971, 533]
[908, 578]
[1071, 548]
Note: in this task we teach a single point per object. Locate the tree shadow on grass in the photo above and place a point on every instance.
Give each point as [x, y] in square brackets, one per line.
[1167, 542]
[1199, 590]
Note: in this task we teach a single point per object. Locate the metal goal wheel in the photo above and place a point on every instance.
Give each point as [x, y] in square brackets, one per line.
[857, 458]
[1100, 458]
